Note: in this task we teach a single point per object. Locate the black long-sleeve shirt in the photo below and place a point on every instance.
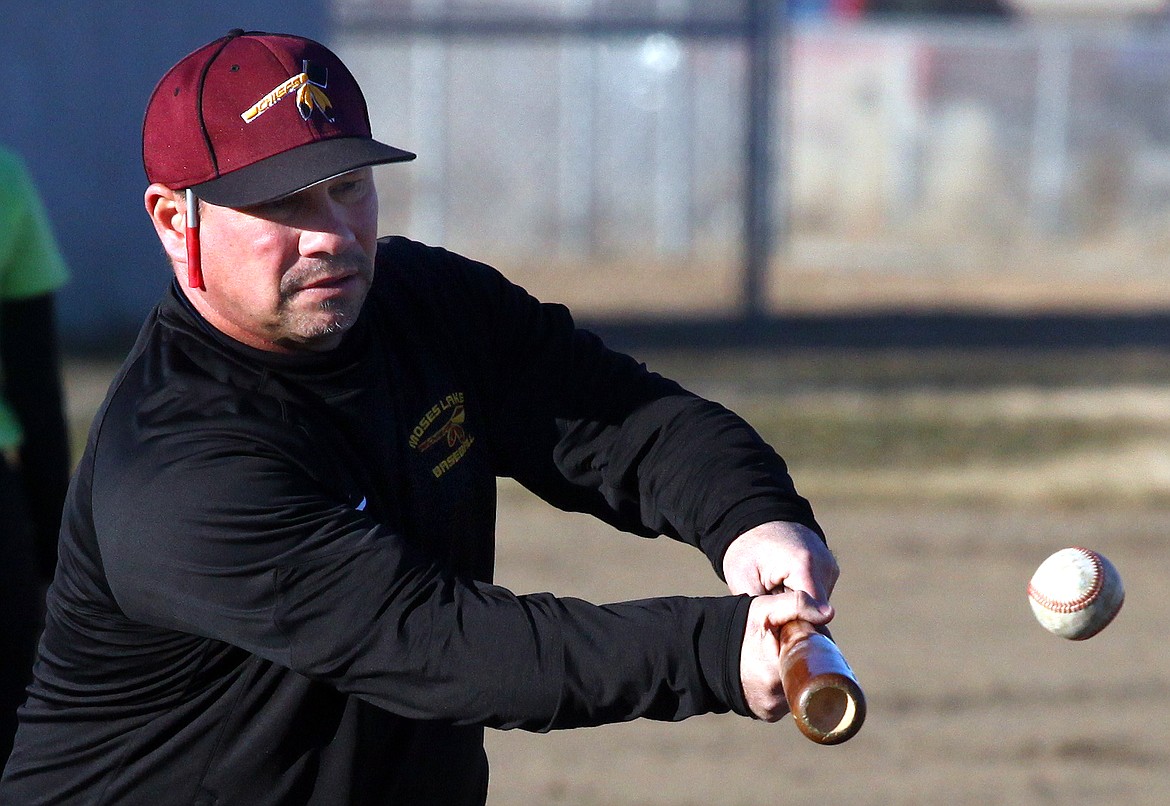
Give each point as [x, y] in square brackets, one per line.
[275, 573]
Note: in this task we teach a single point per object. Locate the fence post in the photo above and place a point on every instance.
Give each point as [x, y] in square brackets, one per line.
[763, 27]
[1050, 130]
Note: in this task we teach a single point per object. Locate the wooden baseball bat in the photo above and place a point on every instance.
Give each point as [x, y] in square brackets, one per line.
[826, 701]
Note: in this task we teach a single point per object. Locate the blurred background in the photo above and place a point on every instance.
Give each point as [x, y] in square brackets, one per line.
[920, 244]
[673, 159]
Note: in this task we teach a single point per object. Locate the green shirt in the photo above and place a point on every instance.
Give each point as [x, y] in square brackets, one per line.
[30, 260]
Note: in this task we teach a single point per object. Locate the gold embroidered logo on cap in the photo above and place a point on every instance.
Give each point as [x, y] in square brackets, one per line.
[310, 87]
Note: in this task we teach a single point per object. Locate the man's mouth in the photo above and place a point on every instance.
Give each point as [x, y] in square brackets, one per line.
[329, 281]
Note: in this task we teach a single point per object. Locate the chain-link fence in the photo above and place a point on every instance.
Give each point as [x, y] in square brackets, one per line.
[603, 157]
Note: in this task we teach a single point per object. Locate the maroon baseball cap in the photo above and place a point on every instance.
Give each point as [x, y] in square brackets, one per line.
[254, 116]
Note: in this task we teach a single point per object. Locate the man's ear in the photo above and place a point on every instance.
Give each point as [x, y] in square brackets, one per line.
[168, 212]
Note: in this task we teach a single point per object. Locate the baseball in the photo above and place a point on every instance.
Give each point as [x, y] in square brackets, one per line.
[1075, 593]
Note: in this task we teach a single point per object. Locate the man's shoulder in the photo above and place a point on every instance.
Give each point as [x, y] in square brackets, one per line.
[415, 277]
[179, 384]
[413, 261]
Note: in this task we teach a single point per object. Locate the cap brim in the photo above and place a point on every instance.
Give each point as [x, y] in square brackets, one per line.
[297, 169]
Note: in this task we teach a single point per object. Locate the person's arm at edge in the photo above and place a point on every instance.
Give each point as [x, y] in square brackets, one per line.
[32, 386]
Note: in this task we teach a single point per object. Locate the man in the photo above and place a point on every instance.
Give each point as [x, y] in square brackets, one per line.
[276, 557]
[34, 442]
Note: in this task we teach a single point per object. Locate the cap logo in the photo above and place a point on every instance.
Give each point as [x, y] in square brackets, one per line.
[310, 87]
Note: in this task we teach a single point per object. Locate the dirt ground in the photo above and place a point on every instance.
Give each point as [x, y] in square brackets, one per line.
[970, 701]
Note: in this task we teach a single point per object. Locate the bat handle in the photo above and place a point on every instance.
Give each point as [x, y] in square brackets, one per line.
[826, 701]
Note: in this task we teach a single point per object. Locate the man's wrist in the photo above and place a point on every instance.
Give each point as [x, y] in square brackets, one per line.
[720, 647]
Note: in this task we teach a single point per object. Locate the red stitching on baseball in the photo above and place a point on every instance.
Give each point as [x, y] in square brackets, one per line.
[1081, 602]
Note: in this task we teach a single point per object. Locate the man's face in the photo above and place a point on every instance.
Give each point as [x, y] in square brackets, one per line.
[291, 274]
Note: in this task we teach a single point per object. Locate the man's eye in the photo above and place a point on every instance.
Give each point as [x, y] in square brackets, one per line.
[349, 189]
[275, 209]
[286, 204]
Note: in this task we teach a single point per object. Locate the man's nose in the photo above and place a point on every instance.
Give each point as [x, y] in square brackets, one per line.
[330, 230]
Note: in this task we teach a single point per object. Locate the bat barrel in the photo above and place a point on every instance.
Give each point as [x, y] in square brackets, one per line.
[826, 701]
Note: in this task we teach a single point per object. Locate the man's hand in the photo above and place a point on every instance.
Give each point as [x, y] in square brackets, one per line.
[759, 659]
[780, 556]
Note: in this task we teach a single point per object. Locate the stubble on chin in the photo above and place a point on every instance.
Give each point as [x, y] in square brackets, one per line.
[329, 317]
[319, 326]
[340, 316]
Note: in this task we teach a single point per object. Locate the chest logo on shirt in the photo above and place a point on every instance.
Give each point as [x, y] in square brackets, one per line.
[443, 426]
